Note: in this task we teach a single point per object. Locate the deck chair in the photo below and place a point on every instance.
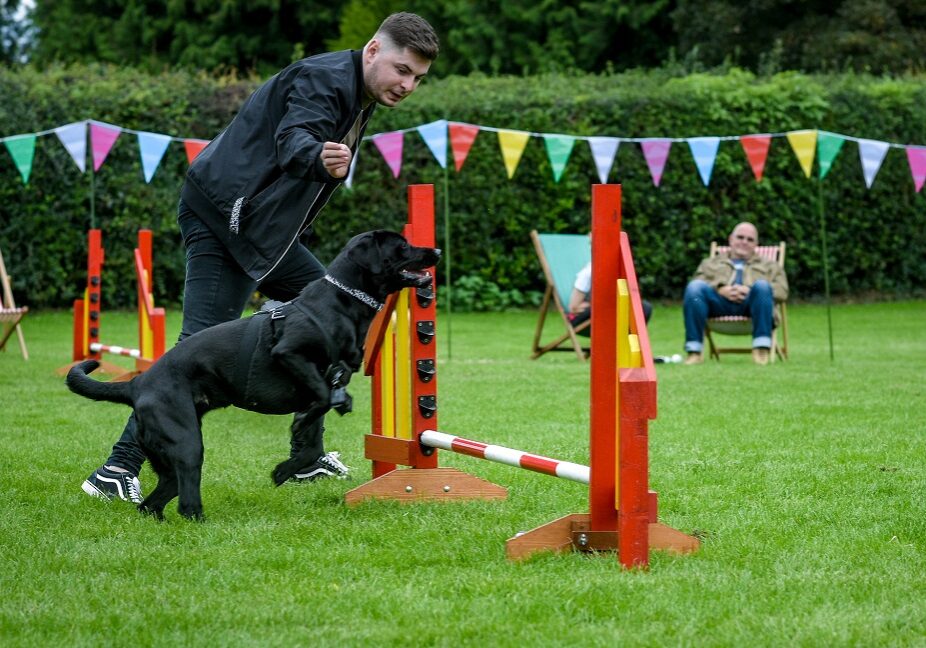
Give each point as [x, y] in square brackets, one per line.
[742, 325]
[10, 314]
[561, 257]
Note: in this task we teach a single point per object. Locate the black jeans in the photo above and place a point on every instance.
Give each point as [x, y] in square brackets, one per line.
[216, 291]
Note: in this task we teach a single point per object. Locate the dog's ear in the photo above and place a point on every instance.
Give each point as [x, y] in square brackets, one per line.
[368, 250]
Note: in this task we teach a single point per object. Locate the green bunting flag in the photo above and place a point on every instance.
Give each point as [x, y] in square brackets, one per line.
[828, 145]
[559, 148]
[22, 148]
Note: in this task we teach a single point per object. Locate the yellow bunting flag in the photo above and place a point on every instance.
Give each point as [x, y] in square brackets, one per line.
[512, 144]
[804, 143]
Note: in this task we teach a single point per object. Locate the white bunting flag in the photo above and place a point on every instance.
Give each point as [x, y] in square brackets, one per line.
[604, 149]
[74, 138]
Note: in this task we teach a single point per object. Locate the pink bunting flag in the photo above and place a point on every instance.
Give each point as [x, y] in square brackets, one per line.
[462, 137]
[916, 156]
[390, 147]
[193, 147]
[656, 152]
[102, 138]
[756, 149]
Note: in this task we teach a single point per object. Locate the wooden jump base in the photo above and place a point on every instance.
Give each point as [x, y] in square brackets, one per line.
[400, 356]
[88, 313]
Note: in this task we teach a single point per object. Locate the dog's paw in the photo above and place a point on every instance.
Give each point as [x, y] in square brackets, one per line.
[281, 474]
[157, 514]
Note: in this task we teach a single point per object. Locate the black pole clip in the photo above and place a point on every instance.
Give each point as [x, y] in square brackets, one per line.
[425, 330]
[426, 370]
[425, 296]
[427, 405]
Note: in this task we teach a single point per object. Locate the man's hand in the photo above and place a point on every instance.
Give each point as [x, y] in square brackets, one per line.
[736, 294]
[336, 158]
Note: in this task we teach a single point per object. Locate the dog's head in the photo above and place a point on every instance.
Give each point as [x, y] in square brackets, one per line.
[387, 261]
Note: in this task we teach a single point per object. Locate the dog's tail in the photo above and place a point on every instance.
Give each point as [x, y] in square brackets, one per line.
[80, 383]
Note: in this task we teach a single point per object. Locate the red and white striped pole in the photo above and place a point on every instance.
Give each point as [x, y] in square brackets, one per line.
[96, 347]
[499, 454]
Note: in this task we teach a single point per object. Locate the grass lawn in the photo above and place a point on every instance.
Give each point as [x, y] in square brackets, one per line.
[805, 480]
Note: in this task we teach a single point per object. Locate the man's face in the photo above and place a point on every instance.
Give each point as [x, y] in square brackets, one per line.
[743, 241]
[390, 74]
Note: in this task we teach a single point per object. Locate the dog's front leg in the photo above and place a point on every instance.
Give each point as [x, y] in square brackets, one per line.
[305, 372]
[308, 452]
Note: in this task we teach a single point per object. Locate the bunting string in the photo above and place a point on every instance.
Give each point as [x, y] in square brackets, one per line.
[807, 145]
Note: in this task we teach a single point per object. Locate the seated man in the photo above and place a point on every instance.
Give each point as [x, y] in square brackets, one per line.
[580, 301]
[738, 282]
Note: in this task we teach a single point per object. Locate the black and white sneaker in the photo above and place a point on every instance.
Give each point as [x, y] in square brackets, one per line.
[327, 465]
[108, 484]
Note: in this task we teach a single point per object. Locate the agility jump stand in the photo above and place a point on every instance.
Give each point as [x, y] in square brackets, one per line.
[88, 311]
[622, 510]
[400, 355]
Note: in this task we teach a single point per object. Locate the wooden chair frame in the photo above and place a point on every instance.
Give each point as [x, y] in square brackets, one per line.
[568, 341]
[736, 325]
[10, 314]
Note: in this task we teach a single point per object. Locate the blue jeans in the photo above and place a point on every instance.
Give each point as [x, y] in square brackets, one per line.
[217, 290]
[702, 301]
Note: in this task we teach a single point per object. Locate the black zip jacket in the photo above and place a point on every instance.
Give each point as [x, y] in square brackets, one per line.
[261, 182]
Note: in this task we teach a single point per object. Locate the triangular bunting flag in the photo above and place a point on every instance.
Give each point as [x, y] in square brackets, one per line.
[603, 150]
[102, 138]
[559, 148]
[704, 152]
[656, 152]
[871, 153]
[804, 144]
[828, 145]
[462, 137]
[193, 147]
[349, 180]
[74, 138]
[512, 144]
[916, 156]
[756, 149]
[22, 148]
[152, 147]
[435, 136]
[390, 147]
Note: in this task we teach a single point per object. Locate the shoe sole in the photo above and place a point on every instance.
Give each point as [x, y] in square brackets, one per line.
[321, 474]
[93, 491]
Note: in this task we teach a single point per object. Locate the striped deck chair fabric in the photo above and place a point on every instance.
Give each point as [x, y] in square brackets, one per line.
[561, 257]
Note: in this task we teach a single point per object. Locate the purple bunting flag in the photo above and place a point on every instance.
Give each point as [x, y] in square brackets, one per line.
[916, 156]
[102, 138]
[390, 147]
[656, 152]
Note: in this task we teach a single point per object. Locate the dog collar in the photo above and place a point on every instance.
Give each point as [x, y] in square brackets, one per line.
[357, 294]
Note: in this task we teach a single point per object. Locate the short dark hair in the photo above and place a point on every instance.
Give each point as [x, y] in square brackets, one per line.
[412, 31]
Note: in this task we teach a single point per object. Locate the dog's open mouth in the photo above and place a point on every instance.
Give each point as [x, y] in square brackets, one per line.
[415, 278]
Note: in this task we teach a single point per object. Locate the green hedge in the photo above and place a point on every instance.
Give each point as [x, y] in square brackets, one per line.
[876, 237]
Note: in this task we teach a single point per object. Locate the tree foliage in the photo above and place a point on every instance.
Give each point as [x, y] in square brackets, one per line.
[491, 37]
[254, 35]
[16, 31]
[772, 35]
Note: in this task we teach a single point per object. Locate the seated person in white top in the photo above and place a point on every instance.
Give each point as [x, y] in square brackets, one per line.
[580, 302]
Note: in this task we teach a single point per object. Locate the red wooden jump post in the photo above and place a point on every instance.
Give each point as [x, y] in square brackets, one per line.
[622, 511]
[88, 311]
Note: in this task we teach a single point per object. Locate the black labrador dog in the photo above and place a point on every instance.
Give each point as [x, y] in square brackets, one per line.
[296, 358]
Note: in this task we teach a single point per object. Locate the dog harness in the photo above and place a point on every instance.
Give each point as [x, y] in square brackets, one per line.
[334, 374]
